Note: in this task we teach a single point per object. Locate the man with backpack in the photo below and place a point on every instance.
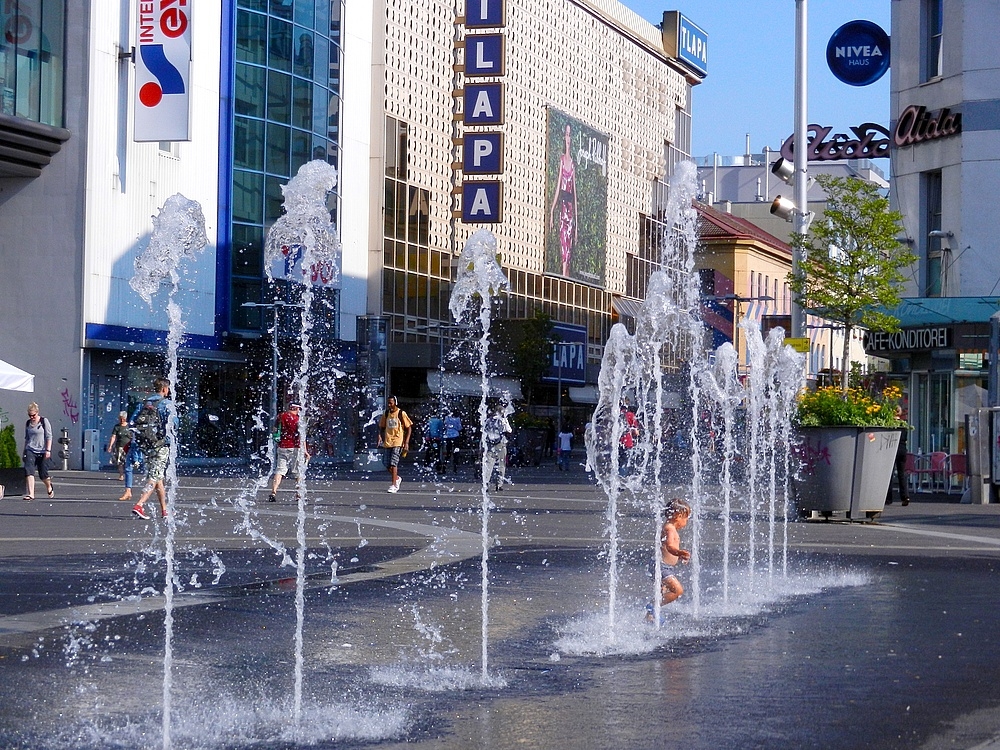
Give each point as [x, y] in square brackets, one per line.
[495, 432]
[149, 423]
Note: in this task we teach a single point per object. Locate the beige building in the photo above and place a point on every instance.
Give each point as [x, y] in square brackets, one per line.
[595, 69]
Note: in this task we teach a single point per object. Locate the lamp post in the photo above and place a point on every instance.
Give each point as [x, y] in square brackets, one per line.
[556, 345]
[801, 186]
[275, 306]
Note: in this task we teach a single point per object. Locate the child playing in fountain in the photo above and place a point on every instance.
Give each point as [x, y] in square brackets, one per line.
[677, 514]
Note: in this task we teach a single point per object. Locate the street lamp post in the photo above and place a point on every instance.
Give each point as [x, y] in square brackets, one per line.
[801, 163]
[557, 345]
[275, 306]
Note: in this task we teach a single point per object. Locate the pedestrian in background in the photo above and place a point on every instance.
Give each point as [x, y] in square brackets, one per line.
[37, 451]
[122, 438]
[394, 435]
[150, 421]
[565, 438]
[287, 459]
[900, 464]
[495, 432]
[452, 433]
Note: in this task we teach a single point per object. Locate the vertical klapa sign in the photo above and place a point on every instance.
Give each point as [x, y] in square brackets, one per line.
[482, 150]
[163, 70]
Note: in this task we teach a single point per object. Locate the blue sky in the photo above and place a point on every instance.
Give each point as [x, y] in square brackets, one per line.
[749, 88]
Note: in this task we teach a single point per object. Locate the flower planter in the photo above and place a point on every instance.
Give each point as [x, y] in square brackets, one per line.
[846, 469]
[13, 482]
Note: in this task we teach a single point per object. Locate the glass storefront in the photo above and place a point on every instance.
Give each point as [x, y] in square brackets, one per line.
[32, 60]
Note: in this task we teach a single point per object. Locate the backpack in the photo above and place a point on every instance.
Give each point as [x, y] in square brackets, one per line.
[150, 432]
[493, 431]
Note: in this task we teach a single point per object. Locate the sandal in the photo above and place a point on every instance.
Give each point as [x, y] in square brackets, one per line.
[52, 490]
[28, 497]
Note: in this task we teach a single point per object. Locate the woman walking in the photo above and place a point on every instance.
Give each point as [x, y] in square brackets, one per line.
[37, 450]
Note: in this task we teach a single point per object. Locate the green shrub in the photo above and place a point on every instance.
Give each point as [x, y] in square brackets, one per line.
[8, 449]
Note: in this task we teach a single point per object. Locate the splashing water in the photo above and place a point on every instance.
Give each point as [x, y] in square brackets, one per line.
[480, 278]
[178, 234]
[736, 431]
[304, 241]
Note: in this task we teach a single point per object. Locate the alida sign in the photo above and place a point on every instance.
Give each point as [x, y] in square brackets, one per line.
[163, 70]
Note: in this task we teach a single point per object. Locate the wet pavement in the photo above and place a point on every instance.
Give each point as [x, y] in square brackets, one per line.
[864, 635]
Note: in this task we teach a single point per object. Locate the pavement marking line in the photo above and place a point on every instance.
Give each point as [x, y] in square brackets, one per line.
[940, 534]
[445, 546]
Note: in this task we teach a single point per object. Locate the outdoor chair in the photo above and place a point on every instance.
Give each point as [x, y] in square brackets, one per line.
[932, 467]
[956, 466]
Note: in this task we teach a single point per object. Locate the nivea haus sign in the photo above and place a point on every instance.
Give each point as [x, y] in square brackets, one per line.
[858, 53]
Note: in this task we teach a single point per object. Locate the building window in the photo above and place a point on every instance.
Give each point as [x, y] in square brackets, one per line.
[932, 198]
[31, 61]
[286, 100]
[933, 25]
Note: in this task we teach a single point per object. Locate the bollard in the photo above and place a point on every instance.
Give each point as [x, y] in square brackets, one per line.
[64, 451]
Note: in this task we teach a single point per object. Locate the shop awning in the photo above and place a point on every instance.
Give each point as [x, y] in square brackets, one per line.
[15, 379]
[627, 307]
[460, 384]
[586, 394]
[936, 311]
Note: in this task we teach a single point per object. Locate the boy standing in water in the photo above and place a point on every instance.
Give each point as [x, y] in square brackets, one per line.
[677, 514]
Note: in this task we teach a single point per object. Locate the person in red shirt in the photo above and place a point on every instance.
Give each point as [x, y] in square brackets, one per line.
[287, 459]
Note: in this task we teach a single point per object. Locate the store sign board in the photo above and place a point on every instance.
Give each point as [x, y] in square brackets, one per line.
[569, 355]
[482, 104]
[858, 53]
[163, 71]
[869, 141]
[916, 124]
[482, 153]
[909, 340]
[685, 42]
[483, 14]
[484, 55]
[482, 201]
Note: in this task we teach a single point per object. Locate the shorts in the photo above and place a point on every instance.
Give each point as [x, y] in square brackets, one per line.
[156, 463]
[287, 462]
[36, 462]
[666, 571]
[392, 456]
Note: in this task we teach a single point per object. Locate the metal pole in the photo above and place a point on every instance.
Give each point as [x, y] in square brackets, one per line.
[800, 161]
[274, 366]
[994, 376]
[559, 394]
[440, 465]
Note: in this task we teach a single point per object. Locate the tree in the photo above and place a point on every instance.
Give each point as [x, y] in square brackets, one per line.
[851, 263]
[531, 346]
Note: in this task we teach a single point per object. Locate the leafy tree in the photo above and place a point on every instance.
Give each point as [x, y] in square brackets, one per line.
[533, 355]
[851, 263]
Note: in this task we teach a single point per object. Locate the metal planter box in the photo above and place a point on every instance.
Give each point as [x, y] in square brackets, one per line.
[846, 469]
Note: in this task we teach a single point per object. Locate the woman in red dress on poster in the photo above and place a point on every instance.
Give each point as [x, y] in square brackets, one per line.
[565, 198]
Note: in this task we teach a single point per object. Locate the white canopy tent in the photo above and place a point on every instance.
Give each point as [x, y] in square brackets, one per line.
[15, 379]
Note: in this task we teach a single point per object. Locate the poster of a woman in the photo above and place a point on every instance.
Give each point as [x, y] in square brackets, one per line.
[576, 189]
[565, 198]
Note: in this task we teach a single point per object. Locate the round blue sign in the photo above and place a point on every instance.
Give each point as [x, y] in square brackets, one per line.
[858, 53]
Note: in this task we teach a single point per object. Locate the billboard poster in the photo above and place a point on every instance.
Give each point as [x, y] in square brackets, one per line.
[576, 199]
[162, 71]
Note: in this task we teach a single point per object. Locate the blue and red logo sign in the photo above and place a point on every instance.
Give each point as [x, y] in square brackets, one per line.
[162, 70]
